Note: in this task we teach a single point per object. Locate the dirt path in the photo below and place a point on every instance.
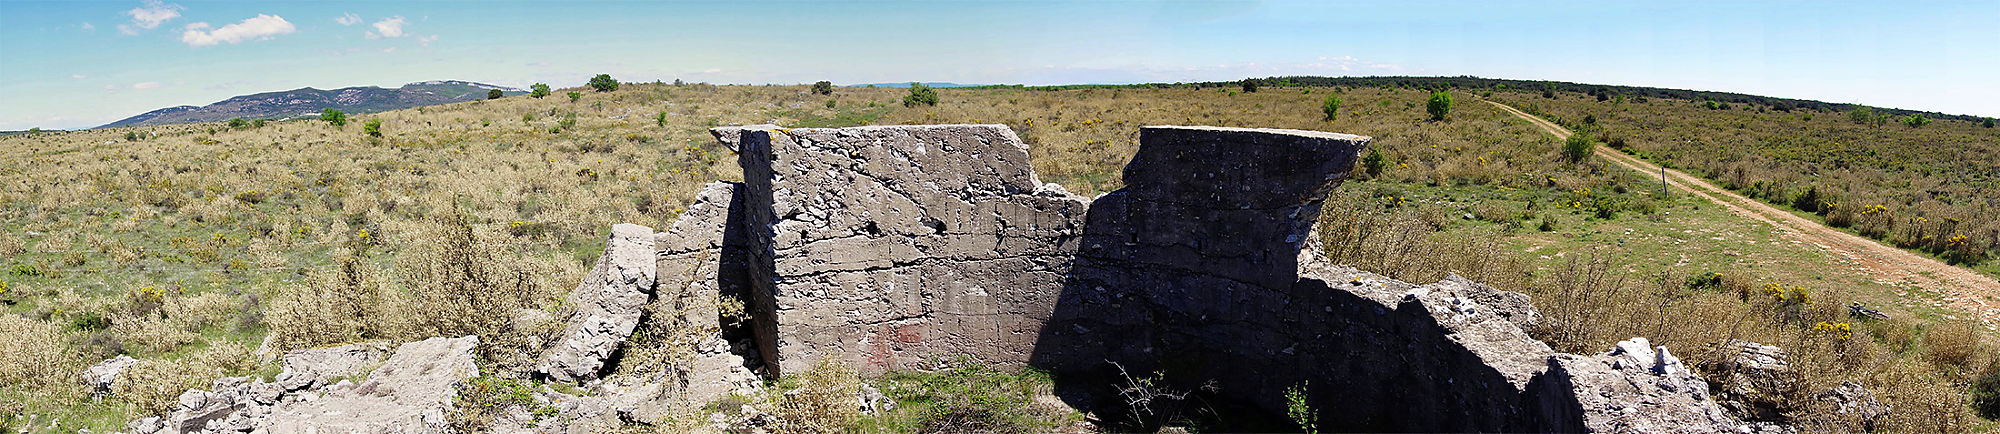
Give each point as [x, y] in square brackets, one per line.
[1962, 289]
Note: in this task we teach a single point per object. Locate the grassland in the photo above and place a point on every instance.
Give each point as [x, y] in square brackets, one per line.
[190, 246]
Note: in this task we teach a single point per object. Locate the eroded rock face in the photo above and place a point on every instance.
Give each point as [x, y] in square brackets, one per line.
[1635, 388]
[884, 246]
[609, 304]
[408, 394]
[103, 375]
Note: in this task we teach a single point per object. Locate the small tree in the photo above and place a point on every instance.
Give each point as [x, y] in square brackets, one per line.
[1330, 107]
[538, 90]
[573, 96]
[1439, 105]
[823, 87]
[1374, 162]
[373, 127]
[603, 83]
[334, 117]
[1249, 85]
[1915, 121]
[920, 94]
[239, 123]
[1578, 147]
[493, 94]
[1988, 123]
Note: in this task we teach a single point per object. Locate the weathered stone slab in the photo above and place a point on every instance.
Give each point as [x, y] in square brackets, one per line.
[609, 303]
[888, 246]
[408, 394]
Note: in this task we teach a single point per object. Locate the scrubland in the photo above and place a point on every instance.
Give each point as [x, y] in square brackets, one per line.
[194, 247]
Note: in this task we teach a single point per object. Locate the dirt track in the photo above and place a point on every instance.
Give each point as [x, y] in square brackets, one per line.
[1962, 289]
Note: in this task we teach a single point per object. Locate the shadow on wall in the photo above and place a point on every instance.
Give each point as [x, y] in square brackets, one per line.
[1188, 281]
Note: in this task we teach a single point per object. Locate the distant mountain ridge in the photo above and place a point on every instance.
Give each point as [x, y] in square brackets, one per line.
[308, 102]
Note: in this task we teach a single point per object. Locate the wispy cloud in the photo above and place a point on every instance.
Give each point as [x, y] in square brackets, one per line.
[150, 16]
[78, 76]
[348, 19]
[391, 27]
[427, 40]
[146, 85]
[87, 27]
[258, 27]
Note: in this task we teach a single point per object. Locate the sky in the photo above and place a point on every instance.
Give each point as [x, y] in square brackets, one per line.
[79, 64]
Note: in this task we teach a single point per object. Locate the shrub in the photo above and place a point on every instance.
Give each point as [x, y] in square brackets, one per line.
[155, 386]
[1952, 345]
[493, 94]
[1916, 121]
[486, 397]
[1330, 107]
[1373, 162]
[35, 353]
[343, 304]
[373, 127]
[824, 401]
[1439, 105]
[573, 96]
[1578, 147]
[660, 119]
[970, 397]
[1249, 85]
[1988, 123]
[538, 90]
[822, 87]
[920, 94]
[239, 123]
[603, 83]
[1986, 392]
[334, 117]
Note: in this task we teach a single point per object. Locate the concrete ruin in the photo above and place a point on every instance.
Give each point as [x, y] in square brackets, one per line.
[893, 247]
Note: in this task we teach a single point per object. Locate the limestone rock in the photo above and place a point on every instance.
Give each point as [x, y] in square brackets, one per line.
[311, 368]
[609, 303]
[103, 375]
[1639, 389]
[408, 394]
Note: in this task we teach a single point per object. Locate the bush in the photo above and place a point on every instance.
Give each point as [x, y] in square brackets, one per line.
[1578, 147]
[1373, 162]
[343, 304]
[493, 94]
[1249, 85]
[1439, 105]
[538, 90]
[1952, 345]
[920, 94]
[822, 87]
[1988, 123]
[1916, 121]
[239, 123]
[1986, 392]
[603, 83]
[35, 353]
[373, 128]
[1330, 107]
[573, 96]
[334, 117]
[824, 401]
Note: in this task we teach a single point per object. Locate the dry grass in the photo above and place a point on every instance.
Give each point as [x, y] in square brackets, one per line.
[475, 213]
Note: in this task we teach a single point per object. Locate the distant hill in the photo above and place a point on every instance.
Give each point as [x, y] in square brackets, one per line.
[308, 102]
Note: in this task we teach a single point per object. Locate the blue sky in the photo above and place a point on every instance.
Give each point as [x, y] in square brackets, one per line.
[74, 64]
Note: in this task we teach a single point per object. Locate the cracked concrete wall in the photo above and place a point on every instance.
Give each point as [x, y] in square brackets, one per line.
[887, 247]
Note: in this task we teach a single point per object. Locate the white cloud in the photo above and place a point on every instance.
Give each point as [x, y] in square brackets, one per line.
[389, 50]
[711, 71]
[348, 19]
[427, 40]
[258, 27]
[88, 27]
[77, 76]
[146, 85]
[151, 15]
[391, 27]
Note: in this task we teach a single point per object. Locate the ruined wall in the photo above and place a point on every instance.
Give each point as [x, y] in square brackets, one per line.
[890, 246]
[885, 247]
